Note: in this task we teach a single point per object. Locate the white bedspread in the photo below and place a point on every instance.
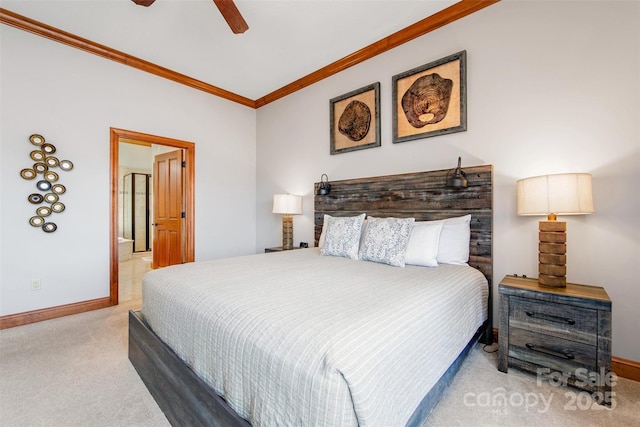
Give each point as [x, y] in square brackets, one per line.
[300, 339]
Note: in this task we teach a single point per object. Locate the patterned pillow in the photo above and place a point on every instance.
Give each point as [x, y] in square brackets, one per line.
[342, 236]
[385, 240]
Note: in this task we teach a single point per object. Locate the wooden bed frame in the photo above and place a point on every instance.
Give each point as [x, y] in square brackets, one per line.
[187, 400]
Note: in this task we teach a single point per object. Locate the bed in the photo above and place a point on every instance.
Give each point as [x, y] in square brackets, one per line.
[307, 337]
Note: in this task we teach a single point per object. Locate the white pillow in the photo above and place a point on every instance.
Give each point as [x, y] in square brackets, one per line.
[385, 240]
[422, 248]
[453, 247]
[343, 236]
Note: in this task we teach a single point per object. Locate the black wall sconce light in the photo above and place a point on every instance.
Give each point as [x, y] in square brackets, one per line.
[324, 188]
[458, 179]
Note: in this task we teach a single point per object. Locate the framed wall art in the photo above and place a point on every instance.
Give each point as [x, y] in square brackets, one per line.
[355, 119]
[431, 100]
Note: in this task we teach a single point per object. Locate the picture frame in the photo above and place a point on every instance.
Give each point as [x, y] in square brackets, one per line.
[355, 120]
[431, 100]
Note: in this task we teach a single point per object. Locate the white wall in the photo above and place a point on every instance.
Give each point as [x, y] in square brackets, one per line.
[73, 98]
[552, 87]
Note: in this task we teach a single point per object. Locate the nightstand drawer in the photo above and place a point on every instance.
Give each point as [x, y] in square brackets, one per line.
[558, 320]
[553, 352]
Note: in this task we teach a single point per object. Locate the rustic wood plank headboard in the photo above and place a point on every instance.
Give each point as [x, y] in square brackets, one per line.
[423, 196]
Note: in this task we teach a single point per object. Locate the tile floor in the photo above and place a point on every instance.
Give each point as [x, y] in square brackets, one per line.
[130, 274]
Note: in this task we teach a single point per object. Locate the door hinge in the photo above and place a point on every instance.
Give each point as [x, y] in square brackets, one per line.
[184, 164]
[183, 214]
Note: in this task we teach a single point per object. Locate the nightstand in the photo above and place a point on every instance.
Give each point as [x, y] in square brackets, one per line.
[560, 334]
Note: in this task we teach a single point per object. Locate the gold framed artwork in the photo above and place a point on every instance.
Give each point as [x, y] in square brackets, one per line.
[431, 100]
[355, 119]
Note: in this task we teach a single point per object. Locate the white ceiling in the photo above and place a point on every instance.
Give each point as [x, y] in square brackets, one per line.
[286, 40]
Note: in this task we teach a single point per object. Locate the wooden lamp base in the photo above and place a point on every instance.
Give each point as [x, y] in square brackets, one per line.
[287, 232]
[552, 254]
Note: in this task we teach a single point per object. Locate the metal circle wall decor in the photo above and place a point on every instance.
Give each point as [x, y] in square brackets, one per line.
[57, 207]
[28, 173]
[37, 155]
[51, 197]
[66, 165]
[36, 139]
[36, 221]
[43, 165]
[35, 198]
[51, 176]
[43, 185]
[40, 167]
[48, 148]
[49, 227]
[59, 189]
[52, 162]
[43, 211]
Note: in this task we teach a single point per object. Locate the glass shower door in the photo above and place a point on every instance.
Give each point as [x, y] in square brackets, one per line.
[136, 200]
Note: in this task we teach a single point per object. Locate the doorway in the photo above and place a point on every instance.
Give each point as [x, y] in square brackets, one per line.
[188, 191]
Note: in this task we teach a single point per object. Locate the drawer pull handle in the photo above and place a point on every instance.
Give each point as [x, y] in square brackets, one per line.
[551, 317]
[562, 354]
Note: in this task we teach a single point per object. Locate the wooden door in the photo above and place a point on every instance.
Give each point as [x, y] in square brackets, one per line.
[167, 209]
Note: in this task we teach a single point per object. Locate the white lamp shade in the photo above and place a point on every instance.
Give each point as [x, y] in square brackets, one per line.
[287, 204]
[561, 194]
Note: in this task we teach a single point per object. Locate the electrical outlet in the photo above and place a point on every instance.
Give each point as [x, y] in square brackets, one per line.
[35, 284]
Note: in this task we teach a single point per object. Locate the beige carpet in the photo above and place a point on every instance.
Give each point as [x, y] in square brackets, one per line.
[74, 371]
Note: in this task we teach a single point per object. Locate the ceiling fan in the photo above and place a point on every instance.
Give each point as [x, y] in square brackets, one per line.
[228, 10]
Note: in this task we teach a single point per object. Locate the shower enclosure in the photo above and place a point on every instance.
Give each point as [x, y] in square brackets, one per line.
[136, 210]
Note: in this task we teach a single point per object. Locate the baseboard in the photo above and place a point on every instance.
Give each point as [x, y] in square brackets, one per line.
[27, 317]
[624, 368]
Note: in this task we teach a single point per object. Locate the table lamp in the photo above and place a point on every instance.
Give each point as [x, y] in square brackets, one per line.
[552, 195]
[287, 204]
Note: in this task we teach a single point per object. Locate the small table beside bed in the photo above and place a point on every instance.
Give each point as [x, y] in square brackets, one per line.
[367, 328]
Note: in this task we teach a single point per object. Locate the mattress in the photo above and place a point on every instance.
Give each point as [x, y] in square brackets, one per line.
[299, 339]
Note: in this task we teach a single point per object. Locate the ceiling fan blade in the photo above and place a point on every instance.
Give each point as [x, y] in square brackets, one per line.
[232, 15]
[143, 2]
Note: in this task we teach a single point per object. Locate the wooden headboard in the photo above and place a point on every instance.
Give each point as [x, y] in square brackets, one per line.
[423, 196]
